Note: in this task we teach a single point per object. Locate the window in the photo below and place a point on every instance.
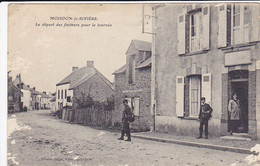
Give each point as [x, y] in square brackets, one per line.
[134, 104]
[65, 93]
[58, 94]
[194, 95]
[131, 72]
[61, 94]
[241, 20]
[193, 30]
[68, 99]
[238, 23]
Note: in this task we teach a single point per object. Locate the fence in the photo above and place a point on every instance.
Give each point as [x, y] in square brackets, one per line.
[88, 116]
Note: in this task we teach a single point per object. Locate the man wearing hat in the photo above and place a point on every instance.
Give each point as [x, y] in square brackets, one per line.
[204, 116]
[125, 121]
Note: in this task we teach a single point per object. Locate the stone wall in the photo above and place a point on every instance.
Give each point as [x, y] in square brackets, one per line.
[95, 87]
[141, 88]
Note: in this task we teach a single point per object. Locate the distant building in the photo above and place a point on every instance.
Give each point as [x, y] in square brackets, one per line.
[83, 82]
[133, 82]
[26, 98]
[52, 101]
[45, 99]
[14, 97]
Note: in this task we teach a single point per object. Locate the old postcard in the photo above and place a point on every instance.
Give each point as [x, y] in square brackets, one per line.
[133, 84]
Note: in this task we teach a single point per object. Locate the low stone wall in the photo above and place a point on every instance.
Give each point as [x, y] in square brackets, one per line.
[88, 116]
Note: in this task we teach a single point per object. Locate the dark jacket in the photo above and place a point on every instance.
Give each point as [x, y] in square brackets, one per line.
[205, 112]
[126, 114]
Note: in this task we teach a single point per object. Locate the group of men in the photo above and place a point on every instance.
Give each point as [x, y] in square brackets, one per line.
[204, 117]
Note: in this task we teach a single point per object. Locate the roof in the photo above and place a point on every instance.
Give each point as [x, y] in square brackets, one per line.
[17, 81]
[145, 63]
[53, 99]
[43, 95]
[36, 92]
[120, 70]
[142, 45]
[75, 75]
[81, 75]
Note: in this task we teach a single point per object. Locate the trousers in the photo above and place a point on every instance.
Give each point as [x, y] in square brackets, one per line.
[202, 123]
[125, 130]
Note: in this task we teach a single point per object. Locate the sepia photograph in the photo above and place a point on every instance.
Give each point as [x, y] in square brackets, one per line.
[133, 84]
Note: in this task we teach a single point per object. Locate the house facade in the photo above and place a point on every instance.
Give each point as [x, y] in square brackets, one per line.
[211, 51]
[45, 101]
[81, 83]
[26, 98]
[14, 97]
[93, 84]
[133, 82]
[63, 94]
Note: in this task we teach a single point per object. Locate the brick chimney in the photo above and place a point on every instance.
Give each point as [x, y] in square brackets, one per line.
[74, 68]
[34, 89]
[44, 92]
[90, 63]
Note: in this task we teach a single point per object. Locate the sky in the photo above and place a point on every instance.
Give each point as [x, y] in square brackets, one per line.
[45, 55]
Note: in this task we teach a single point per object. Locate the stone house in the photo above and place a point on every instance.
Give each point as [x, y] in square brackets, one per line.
[14, 97]
[133, 82]
[26, 98]
[83, 82]
[211, 51]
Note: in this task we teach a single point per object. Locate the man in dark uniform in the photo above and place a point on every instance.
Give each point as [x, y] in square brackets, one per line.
[204, 116]
[125, 121]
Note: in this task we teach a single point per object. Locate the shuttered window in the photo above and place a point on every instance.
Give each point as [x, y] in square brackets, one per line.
[194, 30]
[194, 95]
[238, 23]
[134, 104]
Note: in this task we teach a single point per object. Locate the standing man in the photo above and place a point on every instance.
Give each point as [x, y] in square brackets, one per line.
[125, 121]
[234, 113]
[204, 116]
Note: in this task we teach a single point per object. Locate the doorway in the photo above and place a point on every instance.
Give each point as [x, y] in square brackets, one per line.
[239, 84]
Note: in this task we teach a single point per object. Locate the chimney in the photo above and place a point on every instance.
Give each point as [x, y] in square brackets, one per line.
[28, 86]
[90, 63]
[74, 68]
[44, 92]
[34, 88]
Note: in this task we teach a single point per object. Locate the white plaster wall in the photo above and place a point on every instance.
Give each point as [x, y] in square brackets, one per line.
[64, 101]
[26, 98]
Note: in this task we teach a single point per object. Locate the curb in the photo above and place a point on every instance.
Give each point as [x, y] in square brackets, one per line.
[195, 144]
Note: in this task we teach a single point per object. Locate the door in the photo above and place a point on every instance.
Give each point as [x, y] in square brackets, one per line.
[241, 88]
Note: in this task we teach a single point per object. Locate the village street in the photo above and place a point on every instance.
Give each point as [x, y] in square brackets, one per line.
[41, 139]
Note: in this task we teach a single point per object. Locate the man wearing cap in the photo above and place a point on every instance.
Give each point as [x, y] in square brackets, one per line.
[125, 121]
[204, 116]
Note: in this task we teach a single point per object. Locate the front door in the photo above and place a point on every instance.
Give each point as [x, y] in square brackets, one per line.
[238, 83]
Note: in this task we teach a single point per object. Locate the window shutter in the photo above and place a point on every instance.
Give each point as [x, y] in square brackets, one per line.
[206, 26]
[206, 87]
[255, 22]
[222, 25]
[180, 96]
[136, 106]
[181, 34]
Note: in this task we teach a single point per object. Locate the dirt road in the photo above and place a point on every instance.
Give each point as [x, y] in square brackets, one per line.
[36, 138]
